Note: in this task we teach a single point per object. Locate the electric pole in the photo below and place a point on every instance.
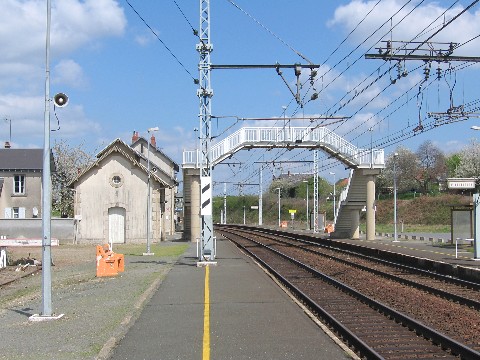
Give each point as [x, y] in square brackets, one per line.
[205, 93]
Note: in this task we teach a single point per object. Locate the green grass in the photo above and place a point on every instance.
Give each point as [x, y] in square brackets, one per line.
[159, 250]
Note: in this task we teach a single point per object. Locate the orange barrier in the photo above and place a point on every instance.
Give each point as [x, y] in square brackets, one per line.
[284, 224]
[109, 263]
[329, 228]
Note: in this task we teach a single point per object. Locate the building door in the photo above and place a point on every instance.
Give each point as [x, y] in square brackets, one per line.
[116, 225]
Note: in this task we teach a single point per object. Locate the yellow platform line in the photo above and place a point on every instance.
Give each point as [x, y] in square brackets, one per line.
[206, 317]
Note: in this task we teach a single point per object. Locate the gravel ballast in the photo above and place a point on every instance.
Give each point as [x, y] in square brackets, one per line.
[97, 311]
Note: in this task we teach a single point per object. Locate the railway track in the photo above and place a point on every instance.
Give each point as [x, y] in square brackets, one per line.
[383, 311]
[448, 287]
[9, 275]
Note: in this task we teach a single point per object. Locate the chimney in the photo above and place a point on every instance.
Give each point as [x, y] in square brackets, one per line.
[7, 145]
[134, 136]
[153, 141]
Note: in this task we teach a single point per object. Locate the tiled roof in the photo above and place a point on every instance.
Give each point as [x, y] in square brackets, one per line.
[21, 159]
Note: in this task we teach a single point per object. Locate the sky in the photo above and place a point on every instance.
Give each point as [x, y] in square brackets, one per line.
[130, 65]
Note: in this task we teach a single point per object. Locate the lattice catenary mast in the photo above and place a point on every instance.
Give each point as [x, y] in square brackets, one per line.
[205, 93]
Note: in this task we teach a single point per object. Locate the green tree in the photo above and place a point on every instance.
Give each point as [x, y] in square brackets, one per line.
[406, 169]
[452, 163]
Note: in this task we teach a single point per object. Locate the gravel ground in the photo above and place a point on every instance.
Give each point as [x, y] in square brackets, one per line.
[97, 311]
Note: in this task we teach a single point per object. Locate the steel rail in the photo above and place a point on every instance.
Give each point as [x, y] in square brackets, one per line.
[434, 336]
[346, 334]
[439, 292]
[315, 240]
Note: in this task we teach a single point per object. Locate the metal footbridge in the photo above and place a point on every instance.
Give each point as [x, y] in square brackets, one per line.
[365, 165]
[289, 138]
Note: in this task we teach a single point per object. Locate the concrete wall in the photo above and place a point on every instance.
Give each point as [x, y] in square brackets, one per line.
[96, 193]
[61, 229]
[31, 199]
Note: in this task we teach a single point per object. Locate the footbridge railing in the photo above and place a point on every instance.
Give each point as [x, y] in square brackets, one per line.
[289, 137]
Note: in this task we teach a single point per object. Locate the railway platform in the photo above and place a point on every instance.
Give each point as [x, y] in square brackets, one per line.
[246, 316]
[415, 246]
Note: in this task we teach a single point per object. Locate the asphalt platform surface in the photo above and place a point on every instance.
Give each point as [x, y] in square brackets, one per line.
[251, 317]
[437, 247]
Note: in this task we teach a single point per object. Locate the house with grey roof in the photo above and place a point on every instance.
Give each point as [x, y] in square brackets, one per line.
[21, 183]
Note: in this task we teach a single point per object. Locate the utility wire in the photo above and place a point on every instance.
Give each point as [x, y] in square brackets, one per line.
[270, 32]
[382, 75]
[363, 42]
[428, 126]
[466, 42]
[161, 41]
[351, 32]
[195, 31]
[357, 93]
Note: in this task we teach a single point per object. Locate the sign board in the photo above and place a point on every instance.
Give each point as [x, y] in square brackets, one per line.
[254, 207]
[206, 195]
[461, 183]
[292, 211]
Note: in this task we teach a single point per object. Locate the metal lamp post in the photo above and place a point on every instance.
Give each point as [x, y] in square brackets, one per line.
[395, 197]
[308, 227]
[476, 219]
[371, 147]
[334, 193]
[47, 312]
[149, 201]
[278, 206]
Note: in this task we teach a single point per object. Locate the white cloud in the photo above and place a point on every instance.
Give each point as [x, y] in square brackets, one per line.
[71, 126]
[27, 116]
[464, 28]
[16, 106]
[74, 24]
[143, 40]
[70, 73]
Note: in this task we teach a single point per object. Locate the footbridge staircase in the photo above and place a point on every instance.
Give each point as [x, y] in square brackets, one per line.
[365, 164]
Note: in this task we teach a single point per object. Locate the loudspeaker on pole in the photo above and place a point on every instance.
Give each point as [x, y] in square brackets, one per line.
[60, 100]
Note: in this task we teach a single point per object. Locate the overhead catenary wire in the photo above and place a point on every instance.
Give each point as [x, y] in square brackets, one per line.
[161, 41]
[378, 69]
[357, 93]
[194, 30]
[466, 42]
[432, 126]
[270, 32]
[351, 32]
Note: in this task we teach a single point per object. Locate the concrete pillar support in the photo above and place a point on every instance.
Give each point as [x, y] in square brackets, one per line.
[195, 209]
[355, 224]
[371, 207]
[191, 193]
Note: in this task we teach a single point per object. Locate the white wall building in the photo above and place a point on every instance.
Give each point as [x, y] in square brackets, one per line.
[110, 202]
